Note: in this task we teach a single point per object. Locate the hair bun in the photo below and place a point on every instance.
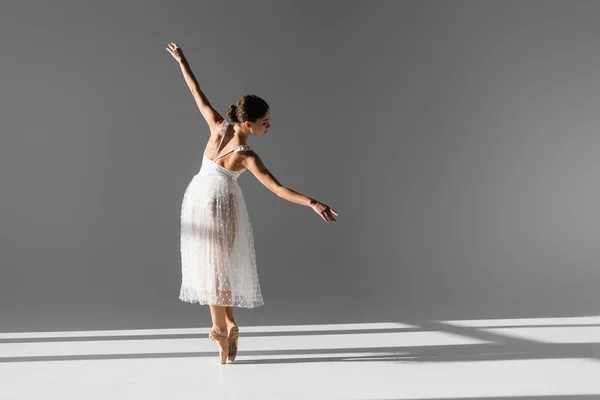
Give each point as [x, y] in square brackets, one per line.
[232, 113]
[248, 108]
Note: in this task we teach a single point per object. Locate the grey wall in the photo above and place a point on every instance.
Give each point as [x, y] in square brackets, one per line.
[457, 140]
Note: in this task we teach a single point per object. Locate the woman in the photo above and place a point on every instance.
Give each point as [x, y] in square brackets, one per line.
[217, 247]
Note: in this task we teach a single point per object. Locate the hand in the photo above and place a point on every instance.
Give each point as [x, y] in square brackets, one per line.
[323, 210]
[175, 51]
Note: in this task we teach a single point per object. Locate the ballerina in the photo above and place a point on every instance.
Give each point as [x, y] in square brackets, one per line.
[218, 259]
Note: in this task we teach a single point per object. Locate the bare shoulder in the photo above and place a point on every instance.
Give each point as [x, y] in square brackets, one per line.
[249, 158]
[252, 162]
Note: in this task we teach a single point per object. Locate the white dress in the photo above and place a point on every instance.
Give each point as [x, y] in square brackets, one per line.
[218, 260]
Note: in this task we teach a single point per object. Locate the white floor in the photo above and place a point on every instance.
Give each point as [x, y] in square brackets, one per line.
[493, 359]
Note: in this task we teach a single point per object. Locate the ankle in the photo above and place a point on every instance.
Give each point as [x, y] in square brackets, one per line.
[218, 329]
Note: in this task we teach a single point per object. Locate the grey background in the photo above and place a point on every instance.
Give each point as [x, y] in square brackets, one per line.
[457, 140]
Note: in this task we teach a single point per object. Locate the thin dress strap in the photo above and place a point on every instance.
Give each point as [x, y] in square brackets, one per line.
[241, 147]
[223, 131]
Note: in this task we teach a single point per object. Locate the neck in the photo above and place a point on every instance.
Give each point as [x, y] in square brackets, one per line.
[241, 132]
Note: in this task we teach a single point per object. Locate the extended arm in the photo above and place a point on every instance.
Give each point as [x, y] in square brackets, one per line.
[254, 164]
[211, 115]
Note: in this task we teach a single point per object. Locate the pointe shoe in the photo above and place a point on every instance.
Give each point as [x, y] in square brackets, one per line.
[234, 334]
[222, 341]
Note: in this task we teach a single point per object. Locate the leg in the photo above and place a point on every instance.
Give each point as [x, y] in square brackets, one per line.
[224, 228]
[219, 318]
[227, 246]
[219, 239]
[232, 328]
[230, 317]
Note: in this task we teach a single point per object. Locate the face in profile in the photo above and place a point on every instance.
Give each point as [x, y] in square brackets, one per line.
[261, 125]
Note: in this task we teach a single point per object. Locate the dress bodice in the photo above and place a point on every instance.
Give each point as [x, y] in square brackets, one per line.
[211, 168]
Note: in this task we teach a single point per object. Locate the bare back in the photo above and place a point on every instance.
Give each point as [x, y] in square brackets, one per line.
[220, 148]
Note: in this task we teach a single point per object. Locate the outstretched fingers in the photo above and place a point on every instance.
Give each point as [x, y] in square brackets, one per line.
[327, 216]
[174, 49]
[323, 215]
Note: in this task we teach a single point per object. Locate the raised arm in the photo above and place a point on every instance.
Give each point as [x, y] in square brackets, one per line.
[212, 117]
[254, 164]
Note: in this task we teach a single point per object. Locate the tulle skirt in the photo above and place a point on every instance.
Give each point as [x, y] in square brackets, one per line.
[218, 259]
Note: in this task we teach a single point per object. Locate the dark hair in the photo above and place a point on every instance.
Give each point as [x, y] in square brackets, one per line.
[248, 108]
